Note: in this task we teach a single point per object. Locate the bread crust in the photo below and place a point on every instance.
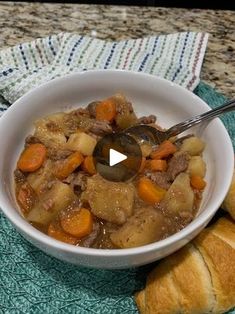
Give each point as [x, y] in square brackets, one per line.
[219, 256]
[225, 230]
[199, 278]
[172, 286]
[140, 301]
[192, 280]
[161, 295]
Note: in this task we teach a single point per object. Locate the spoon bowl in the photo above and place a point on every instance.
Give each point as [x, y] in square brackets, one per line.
[156, 137]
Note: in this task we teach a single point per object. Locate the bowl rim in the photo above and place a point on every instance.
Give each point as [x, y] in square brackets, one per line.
[21, 224]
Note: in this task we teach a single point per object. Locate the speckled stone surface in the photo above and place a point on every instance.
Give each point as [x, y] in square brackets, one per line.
[21, 22]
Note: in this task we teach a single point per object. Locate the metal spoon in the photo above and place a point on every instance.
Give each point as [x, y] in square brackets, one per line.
[149, 133]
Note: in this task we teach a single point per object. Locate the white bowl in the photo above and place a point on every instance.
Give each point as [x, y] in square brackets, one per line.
[150, 95]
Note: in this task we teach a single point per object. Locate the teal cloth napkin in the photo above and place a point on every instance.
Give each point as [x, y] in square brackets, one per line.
[30, 280]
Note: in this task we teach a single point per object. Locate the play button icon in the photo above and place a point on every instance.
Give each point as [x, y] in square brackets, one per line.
[117, 157]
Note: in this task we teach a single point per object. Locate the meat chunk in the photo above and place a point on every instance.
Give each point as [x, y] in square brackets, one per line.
[178, 163]
[31, 139]
[71, 123]
[26, 197]
[19, 176]
[74, 121]
[111, 201]
[54, 153]
[53, 126]
[91, 107]
[77, 181]
[82, 112]
[80, 180]
[160, 178]
[100, 127]
[147, 119]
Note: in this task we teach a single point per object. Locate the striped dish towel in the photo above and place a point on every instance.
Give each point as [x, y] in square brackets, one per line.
[176, 57]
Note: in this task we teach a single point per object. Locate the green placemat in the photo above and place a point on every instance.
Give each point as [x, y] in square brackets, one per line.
[33, 282]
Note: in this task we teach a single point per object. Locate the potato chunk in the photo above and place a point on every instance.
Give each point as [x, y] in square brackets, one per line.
[57, 117]
[51, 203]
[180, 196]
[81, 142]
[126, 120]
[146, 226]
[49, 133]
[111, 201]
[40, 178]
[197, 166]
[146, 149]
[193, 145]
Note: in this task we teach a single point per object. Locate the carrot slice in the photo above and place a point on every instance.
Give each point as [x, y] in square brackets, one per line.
[197, 182]
[88, 165]
[32, 158]
[158, 165]
[55, 231]
[150, 192]
[67, 166]
[165, 149]
[78, 224]
[106, 110]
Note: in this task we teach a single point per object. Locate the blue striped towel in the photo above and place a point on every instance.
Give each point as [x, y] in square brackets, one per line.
[176, 57]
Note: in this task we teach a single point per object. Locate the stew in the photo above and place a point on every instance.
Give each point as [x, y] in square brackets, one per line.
[60, 192]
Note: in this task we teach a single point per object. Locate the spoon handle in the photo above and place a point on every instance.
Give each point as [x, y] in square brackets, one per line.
[207, 116]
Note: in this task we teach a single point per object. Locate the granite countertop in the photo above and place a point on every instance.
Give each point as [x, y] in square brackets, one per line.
[21, 22]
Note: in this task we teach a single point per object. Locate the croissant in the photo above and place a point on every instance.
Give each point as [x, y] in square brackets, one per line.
[199, 278]
[229, 202]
